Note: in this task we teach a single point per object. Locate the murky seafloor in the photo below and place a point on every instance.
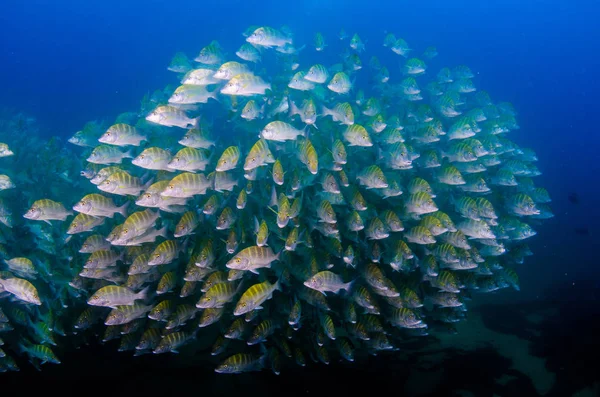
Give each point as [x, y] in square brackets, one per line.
[544, 348]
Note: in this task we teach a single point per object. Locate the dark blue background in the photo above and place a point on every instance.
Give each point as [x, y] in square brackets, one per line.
[69, 62]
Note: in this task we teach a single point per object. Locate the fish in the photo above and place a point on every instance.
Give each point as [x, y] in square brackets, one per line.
[229, 159]
[327, 281]
[241, 362]
[47, 210]
[122, 183]
[187, 185]
[105, 154]
[191, 94]
[113, 296]
[340, 83]
[122, 135]
[125, 314]
[315, 206]
[211, 54]
[245, 84]
[190, 160]
[180, 63]
[5, 151]
[280, 131]
[253, 258]
[6, 183]
[268, 37]
[249, 53]
[22, 289]
[170, 116]
[95, 204]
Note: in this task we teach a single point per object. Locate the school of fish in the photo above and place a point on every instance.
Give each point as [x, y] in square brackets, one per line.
[302, 215]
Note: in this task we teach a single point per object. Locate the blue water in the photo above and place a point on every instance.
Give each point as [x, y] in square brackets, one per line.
[69, 62]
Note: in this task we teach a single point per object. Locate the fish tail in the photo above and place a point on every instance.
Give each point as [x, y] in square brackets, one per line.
[305, 131]
[264, 355]
[146, 185]
[256, 224]
[214, 94]
[293, 108]
[143, 294]
[21, 348]
[348, 285]
[183, 246]
[123, 209]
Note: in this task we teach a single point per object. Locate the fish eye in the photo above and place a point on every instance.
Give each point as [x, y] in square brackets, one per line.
[171, 187]
[238, 260]
[142, 156]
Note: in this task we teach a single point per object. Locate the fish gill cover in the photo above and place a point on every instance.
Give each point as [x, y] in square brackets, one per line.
[300, 215]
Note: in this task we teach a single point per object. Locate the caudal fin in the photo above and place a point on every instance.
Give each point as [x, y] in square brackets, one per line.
[256, 224]
[143, 294]
[163, 232]
[214, 95]
[305, 131]
[293, 108]
[262, 361]
[348, 286]
[123, 209]
[273, 199]
[196, 122]
[325, 111]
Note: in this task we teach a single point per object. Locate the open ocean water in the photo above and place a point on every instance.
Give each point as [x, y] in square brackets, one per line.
[85, 66]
